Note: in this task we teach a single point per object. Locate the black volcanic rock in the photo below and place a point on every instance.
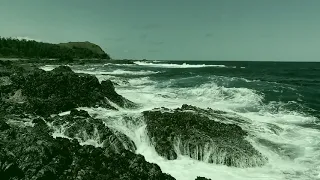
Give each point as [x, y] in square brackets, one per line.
[108, 89]
[3, 125]
[79, 125]
[62, 69]
[194, 132]
[32, 153]
[82, 113]
[61, 90]
[27, 148]
[202, 178]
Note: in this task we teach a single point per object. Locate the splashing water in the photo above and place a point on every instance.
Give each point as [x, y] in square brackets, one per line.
[292, 150]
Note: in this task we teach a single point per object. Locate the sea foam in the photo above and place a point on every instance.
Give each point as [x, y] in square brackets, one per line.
[292, 150]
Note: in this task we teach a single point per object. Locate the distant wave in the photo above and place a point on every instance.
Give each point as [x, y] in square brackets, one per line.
[184, 65]
[123, 72]
[94, 71]
[116, 72]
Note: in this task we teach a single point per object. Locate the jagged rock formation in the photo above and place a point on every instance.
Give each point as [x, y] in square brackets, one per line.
[32, 153]
[28, 149]
[194, 132]
[59, 90]
[79, 125]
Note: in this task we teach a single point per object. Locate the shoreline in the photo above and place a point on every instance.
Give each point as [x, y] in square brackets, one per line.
[62, 62]
[32, 98]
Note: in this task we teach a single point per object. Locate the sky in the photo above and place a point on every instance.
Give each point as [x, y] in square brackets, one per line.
[254, 30]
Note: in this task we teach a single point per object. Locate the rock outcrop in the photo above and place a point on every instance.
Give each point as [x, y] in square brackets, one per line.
[79, 125]
[36, 143]
[32, 153]
[202, 178]
[194, 132]
[45, 93]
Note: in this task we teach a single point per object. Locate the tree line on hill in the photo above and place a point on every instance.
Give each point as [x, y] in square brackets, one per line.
[15, 48]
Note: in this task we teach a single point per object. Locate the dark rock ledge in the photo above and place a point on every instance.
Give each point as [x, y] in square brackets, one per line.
[35, 91]
[29, 96]
[28, 149]
[193, 132]
[32, 153]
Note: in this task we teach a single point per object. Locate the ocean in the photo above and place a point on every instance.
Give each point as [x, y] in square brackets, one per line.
[280, 101]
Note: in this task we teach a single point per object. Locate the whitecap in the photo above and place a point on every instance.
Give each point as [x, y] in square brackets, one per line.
[184, 65]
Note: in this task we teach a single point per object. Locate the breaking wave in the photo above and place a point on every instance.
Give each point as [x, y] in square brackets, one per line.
[184, 65]
[291, 149]
[274, 130]
[96, 71]
[119, 72]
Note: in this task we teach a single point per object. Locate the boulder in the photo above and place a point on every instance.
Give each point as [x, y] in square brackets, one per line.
[197, 133]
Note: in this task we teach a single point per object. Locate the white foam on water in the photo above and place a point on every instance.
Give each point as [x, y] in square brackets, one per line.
[94, 71]
[48, 67]
[116, 72]
[207, 95]
[184, 65]
[299, 154]
[293, 152]
[119, 72]
[183, 168]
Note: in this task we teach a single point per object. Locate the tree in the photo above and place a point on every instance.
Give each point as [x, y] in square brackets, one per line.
[10, 47]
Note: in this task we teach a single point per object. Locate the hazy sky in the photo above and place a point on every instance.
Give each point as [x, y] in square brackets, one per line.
[174, 29]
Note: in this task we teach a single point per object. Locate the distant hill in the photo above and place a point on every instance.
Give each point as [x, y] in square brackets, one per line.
[15, 48]
[85, 45]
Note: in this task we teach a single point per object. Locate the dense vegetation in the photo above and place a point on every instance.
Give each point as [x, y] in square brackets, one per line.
[85, 45]
[15, 48]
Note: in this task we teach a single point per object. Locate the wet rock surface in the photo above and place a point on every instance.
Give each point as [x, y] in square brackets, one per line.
[35, 144]
[79, 125]
[28, 149]
[32, 153]
[194, 132]
[202, 178]
[27, 88]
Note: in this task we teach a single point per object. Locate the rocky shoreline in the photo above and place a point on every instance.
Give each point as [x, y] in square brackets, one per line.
[28, 151]
[31, 99]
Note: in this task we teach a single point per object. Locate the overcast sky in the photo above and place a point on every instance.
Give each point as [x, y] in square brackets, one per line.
[285, 30]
